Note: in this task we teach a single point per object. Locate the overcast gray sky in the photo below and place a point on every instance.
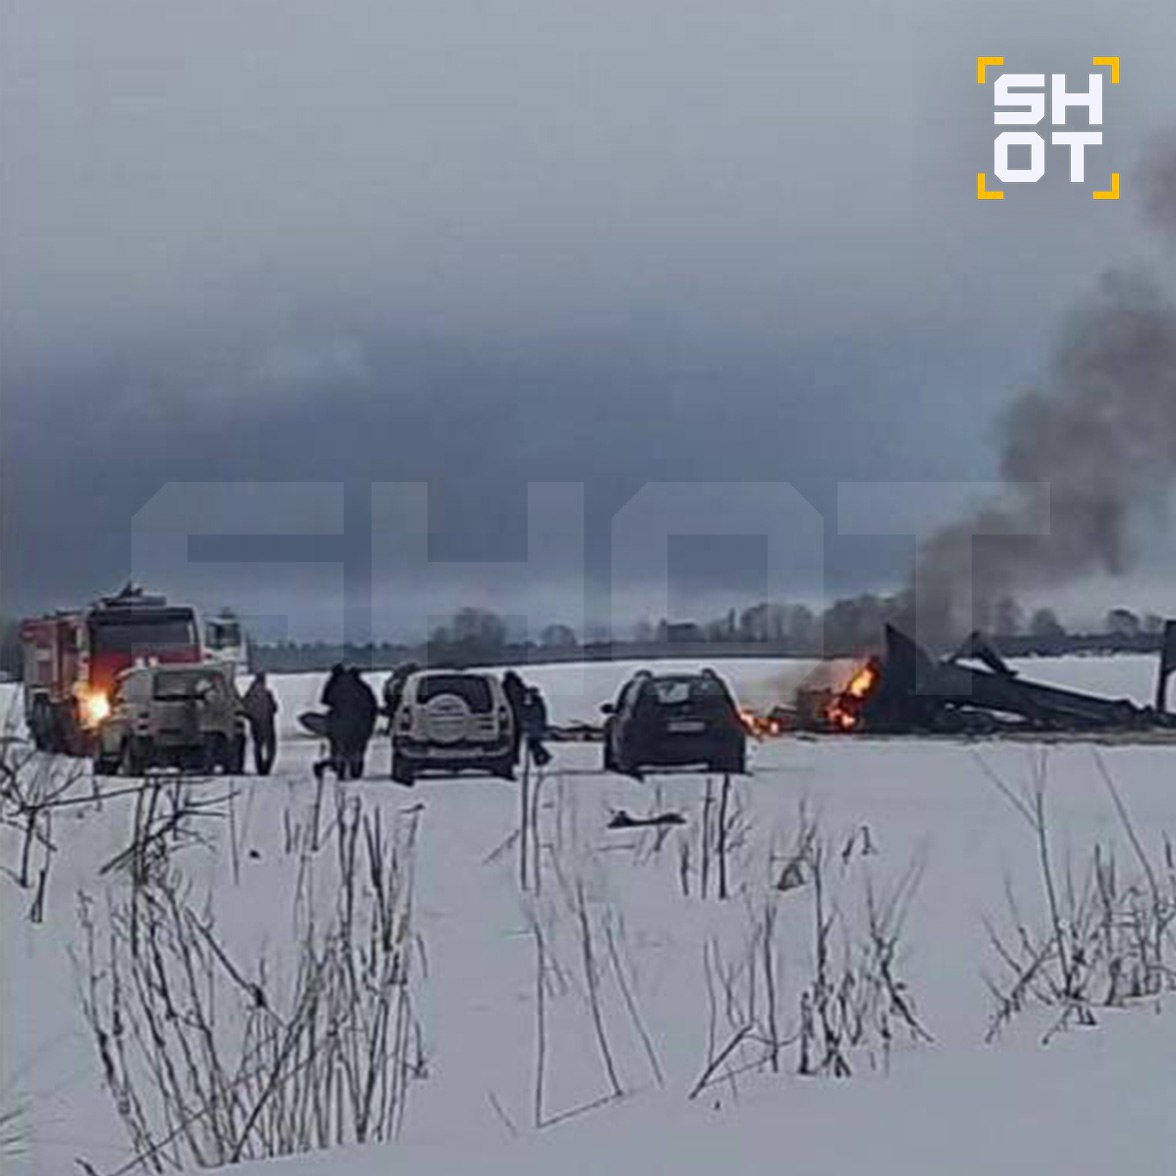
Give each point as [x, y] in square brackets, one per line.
[481, 244]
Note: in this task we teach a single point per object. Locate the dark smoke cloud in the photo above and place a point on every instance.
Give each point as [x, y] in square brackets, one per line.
[1087, 458]
[1157, 180]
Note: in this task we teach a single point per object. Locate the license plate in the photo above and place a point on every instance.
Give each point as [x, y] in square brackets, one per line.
[685, 726]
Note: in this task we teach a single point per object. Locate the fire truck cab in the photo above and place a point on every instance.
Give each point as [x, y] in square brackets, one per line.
[225, 641]
[71, 661]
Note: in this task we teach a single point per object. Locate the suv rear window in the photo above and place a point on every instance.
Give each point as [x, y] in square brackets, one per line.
[472, 689]
[682, 691]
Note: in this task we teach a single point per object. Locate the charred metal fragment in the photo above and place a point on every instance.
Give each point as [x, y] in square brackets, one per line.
[915, 692]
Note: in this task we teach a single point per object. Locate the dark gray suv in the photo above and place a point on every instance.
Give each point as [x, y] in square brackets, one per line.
[674, 721]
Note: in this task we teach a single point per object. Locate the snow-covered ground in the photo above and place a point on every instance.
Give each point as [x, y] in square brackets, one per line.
[1094, 1100]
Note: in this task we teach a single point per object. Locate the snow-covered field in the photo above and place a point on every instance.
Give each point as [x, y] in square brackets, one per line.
[1094, 1100]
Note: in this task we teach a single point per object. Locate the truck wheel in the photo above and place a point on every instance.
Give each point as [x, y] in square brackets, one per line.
[74, 740]
[41, 725]
[135, 758]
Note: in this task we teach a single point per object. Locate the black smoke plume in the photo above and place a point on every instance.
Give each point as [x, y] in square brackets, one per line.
[1088, 458]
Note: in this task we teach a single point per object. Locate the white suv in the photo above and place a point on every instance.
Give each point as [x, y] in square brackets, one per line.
[451, 720]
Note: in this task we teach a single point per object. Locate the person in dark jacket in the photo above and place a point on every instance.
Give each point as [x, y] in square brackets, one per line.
[535, 726]
[351, 719]
[516, 696]
[329, 699]
[261, 708]
[332, 684]
[394, 689]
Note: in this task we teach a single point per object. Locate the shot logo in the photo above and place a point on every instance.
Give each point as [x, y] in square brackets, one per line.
[1075, 110]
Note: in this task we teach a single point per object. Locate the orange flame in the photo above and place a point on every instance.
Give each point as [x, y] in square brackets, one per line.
[844, 711]
[863, 681]
[760, 726]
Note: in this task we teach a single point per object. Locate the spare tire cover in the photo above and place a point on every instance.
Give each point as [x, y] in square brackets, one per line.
[447, 718]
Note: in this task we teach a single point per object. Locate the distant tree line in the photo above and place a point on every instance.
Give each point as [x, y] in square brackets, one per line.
[848, 627]
[854, 625]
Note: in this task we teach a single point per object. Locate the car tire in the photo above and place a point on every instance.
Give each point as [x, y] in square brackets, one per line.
[610, 760]
[235, 765]
[732, 764]
[625, 766]
[229, 755]
[105, 765]
[503, 767]
[214, 754]
[402, 771]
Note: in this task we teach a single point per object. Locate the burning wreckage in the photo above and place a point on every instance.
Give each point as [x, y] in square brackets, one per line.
[974, 691]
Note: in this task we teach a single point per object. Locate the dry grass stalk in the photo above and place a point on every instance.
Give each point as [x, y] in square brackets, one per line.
[211, 1061]
[1106, 940]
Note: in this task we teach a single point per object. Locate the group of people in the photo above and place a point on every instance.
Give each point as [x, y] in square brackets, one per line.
[351, 719]
[352, 712]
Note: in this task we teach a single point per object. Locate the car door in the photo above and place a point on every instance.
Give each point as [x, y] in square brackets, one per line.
[626, 727]
[612, 724]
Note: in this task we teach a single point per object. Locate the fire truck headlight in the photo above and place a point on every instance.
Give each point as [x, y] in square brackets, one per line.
[95, 708]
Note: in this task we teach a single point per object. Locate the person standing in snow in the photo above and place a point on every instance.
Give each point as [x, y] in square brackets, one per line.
[330, 700]
[261, 708]
[351, 719]
[394, 689]
[516, 696]
[365, 712]
[331, 686]
[535, 726]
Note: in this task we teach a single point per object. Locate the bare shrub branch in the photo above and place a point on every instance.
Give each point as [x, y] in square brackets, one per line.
[210, 1061]
[1106, 940]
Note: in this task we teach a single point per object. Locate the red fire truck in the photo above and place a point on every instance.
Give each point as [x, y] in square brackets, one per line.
[71, 661]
